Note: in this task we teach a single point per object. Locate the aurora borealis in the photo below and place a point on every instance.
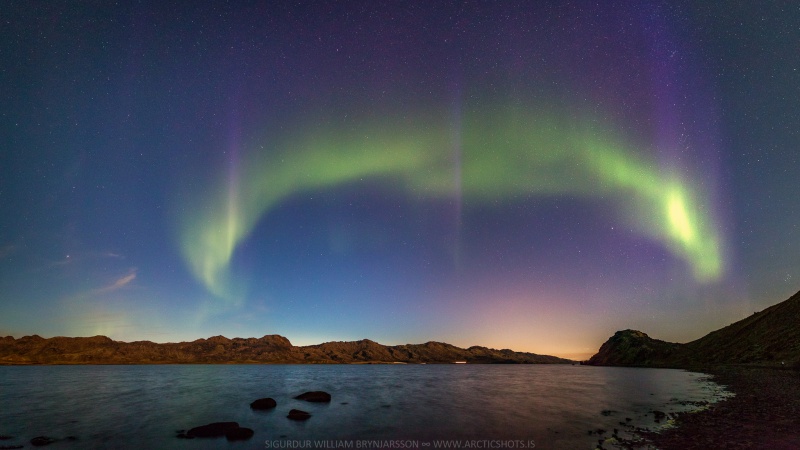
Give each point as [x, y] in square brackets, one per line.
[514, 175]
[522, 155]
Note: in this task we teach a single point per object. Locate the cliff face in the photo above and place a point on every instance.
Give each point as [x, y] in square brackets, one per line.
[770, 337]
[220, 350]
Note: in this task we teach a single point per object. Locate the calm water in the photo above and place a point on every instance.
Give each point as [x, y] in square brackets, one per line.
[552, 406]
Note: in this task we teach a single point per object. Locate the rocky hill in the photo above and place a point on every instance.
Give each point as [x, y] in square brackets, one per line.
[769, 337]
[634, 348]
[268, 349]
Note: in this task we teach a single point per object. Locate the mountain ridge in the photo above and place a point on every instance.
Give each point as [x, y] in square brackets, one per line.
[275, 349]
[768, 337]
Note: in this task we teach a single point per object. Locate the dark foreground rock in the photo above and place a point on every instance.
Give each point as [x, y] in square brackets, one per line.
[297, 414]
[216, 429]
[264, 403]
[231, 430]
[315, 396]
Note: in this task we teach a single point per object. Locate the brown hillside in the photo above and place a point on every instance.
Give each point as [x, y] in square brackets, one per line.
[221, 350]
[772, 335]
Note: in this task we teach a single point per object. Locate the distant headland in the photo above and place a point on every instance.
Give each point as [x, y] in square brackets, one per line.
[274, 349]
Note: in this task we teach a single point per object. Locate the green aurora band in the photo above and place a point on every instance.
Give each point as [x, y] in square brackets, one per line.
[484, 158]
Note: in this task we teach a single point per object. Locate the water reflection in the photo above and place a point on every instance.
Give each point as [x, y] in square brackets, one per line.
[144, 406]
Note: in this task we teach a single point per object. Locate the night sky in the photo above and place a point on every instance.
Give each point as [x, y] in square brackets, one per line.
[524, 175]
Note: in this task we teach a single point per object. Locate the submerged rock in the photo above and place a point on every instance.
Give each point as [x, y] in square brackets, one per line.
[39, 441]
[216, 429]
[297, 414]
[315, 396]
[264, 403]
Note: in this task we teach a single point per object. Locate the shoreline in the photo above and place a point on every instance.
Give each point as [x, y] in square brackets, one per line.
[764, 413]
[277, 363]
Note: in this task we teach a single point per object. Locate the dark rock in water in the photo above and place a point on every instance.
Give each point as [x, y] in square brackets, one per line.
[39, 441]
[264, 403]
[9, 447]
[315, 396]
[3, 437]
[216, 429]
[239, 434]
[231, 430]
[297, 414]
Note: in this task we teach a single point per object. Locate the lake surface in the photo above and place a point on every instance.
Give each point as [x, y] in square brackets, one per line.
[416, 406]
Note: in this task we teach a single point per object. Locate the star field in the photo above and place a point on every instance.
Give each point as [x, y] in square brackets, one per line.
[515, 175]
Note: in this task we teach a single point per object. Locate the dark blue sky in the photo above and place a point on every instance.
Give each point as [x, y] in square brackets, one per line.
[516, 174]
